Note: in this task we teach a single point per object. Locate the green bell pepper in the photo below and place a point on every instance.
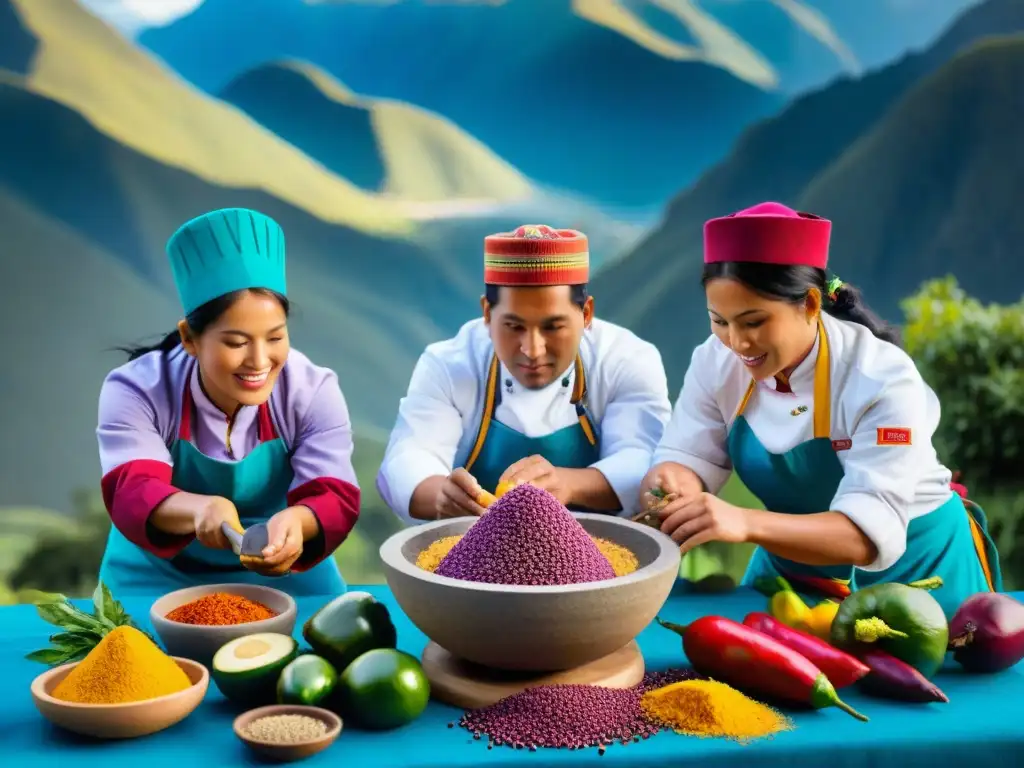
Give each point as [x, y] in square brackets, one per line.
[902, 619]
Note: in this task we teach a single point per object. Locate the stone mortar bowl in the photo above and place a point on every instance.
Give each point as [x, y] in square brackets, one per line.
[532, 628]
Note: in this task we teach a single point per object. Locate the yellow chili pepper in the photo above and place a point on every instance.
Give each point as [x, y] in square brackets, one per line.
[820, 617]
[786, 606]
[485, 499]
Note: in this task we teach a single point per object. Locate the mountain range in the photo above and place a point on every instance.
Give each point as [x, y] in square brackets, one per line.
[579, 95]
[104, 152]
[569, 102]
[917, 165]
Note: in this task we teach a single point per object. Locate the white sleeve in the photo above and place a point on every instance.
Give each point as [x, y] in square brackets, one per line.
[890, 447]
[697, 434]
[425, 438]
[633, 422]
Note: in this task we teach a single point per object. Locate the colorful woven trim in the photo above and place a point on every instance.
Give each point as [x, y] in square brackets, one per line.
[535, 255]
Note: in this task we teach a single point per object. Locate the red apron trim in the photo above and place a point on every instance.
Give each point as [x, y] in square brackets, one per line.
[265, 424]
[185, 428]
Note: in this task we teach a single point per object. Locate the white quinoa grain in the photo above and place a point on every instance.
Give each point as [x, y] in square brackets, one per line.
[286, 729]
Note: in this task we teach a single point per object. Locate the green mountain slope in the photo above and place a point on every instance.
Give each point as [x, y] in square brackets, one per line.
[378, 144]
[938, 184]
[103, 154]
[84, 220]
[146, 107]
[777, 158]
[655, 288]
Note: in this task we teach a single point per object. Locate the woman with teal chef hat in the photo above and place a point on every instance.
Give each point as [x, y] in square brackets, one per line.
[806, 394]
[224, 423]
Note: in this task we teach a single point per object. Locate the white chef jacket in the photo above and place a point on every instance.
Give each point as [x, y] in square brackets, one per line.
[438, 419]
[877, 394]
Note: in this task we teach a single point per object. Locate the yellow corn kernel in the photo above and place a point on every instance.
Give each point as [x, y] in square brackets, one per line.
[503, 488]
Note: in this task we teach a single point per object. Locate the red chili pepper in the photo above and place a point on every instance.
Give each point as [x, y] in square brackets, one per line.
[753, 661]
[841, 668]
[827, 587]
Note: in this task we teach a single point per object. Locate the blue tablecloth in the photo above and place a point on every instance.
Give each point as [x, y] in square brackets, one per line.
[981, 726]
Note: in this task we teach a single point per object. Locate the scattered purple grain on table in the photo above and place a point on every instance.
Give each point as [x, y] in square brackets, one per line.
[570, 716]
[526, 538]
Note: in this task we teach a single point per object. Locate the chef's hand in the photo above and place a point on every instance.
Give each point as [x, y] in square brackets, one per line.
[208, 520]
[286, 532]
[457, 496]
[695, 520]
[538, 471]
[672, 480]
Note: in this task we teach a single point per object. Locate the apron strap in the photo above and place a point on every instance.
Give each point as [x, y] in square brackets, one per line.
[265, 429]
[579, 399]
[978, 536]
[492, 399]
[822, 388]
[490, 393]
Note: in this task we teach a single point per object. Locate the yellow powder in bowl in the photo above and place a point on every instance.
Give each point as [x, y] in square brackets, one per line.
[124, 666]
[710, 708]
[623, 561]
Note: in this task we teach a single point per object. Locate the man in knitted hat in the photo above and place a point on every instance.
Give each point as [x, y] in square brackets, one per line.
[536, 390]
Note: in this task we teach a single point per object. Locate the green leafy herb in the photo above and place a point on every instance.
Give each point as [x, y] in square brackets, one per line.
[81, 631]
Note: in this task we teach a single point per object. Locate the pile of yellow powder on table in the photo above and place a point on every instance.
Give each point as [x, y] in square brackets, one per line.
[124, 666]
[710, 708]
[623, 561]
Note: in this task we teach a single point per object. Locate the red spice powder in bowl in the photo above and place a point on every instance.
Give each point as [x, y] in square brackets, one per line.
[196, 621]
[221, 609]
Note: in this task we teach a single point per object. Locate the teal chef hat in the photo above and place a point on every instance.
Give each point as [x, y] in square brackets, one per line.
[224, 251]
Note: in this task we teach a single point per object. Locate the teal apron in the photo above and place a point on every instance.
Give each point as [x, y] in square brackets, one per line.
[497, 446]
[950, 541]
[258, 487]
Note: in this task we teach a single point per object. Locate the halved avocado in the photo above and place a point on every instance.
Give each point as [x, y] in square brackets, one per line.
[247, 668]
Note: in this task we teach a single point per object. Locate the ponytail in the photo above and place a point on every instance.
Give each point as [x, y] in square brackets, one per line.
[169, 342]
[844, 302]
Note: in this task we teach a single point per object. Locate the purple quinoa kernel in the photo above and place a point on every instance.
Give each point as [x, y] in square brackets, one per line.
[527, 537]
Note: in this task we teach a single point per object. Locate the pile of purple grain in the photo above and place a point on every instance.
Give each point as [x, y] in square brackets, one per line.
[528, 538]
[570, 716]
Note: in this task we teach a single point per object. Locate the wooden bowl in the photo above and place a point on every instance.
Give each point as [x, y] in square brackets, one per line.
[200, 643]
[288, 752]
[532, 628]
[119, 721]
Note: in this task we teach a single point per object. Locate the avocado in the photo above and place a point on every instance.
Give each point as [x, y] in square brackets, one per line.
[309, 680]
[246, 669]
[383, 689]
[349, 626]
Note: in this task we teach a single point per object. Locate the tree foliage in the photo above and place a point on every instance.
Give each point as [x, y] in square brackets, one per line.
[973, 357]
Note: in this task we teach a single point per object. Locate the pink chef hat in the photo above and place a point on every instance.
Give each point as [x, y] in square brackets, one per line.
[768, 233]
